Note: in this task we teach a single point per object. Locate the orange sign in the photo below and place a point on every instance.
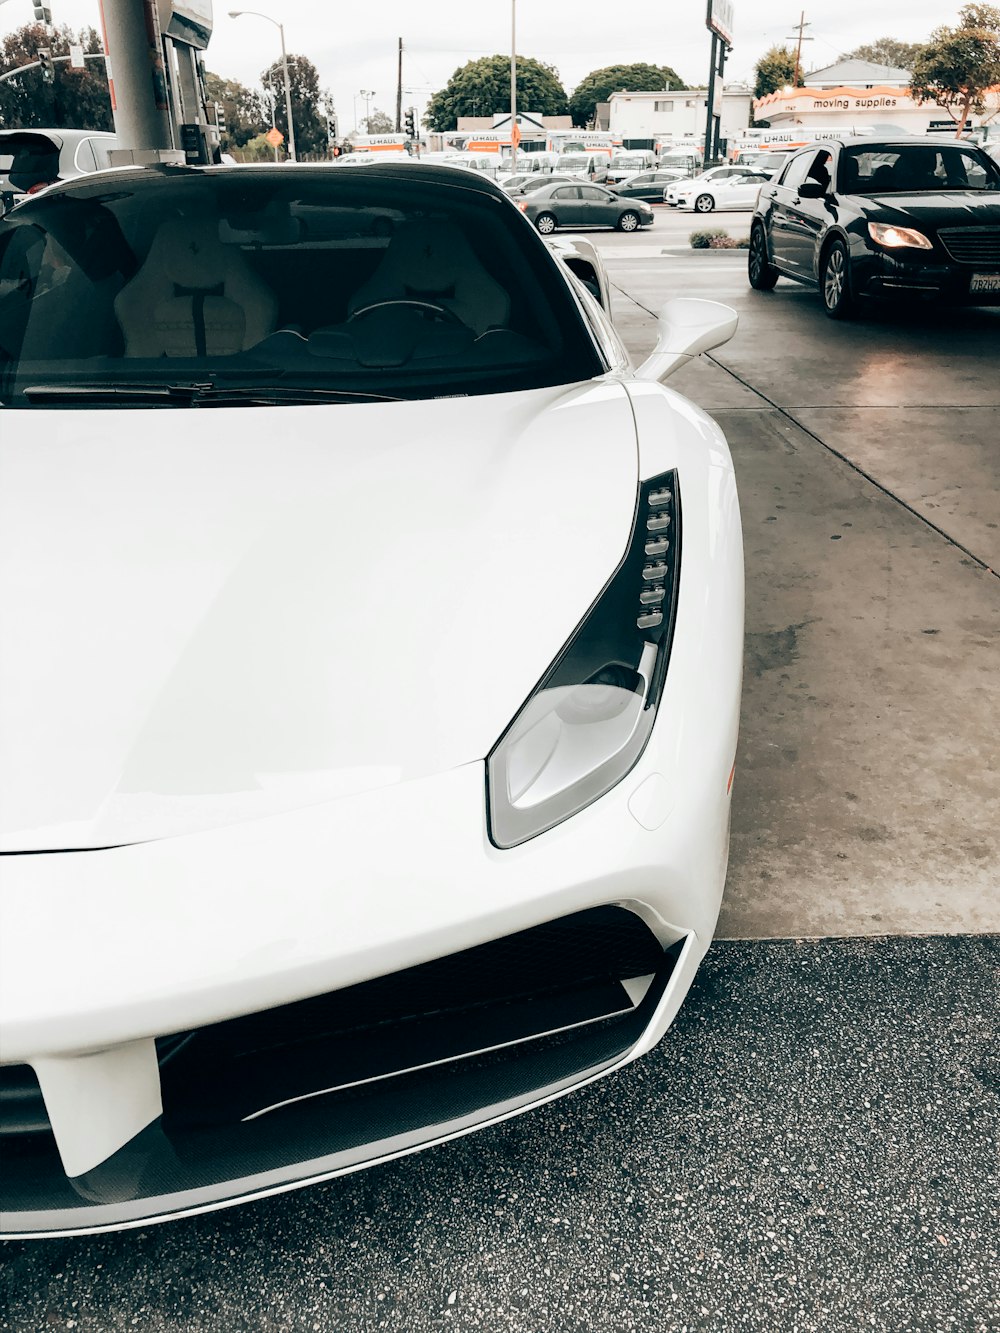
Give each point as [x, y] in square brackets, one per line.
[274, 137]
[515, 136]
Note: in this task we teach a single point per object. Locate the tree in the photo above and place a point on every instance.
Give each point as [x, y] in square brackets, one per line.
[308, 104]
[378, 123]
[482, 87]
[886, 51]
[241, 112]
[958, 65]
[775, 69]
[599, 84]
[76, 99]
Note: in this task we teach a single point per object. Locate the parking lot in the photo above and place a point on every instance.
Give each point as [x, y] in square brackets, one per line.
[813, 1146]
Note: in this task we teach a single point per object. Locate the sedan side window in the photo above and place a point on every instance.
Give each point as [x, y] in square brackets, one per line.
[567, 192]
[592, 192]
[795, 172]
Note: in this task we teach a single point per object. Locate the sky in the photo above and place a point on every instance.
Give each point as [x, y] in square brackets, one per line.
[353, 45]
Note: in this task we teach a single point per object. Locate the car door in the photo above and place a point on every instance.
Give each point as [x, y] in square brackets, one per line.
[782, 204]
[599, 208]
[742, 190]
[639, 187]
[566, 205]
[808, 218]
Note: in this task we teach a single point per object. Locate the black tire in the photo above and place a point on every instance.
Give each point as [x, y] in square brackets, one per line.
[835, 282]
[545, 223]
[761, 272]
[704, 203]
[628, 221]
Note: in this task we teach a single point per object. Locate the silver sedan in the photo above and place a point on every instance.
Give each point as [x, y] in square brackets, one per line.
[583, 205]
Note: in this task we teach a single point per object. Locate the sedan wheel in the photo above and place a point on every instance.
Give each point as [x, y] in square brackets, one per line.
[545, 223]
[628, 222]
[762, 273]
[835, 282]
[704, 203]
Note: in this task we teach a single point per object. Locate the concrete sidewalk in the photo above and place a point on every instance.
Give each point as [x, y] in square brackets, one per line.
[866, 799]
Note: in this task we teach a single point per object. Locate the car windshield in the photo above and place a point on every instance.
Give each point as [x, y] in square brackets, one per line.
[634, 163]
[243, 285]
[917, 167]
[574, 162]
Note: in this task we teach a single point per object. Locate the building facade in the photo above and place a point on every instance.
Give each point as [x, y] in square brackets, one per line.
[641, 120]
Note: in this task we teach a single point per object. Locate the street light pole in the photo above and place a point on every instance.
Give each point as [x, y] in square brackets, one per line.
[513, 85]
[235, 14]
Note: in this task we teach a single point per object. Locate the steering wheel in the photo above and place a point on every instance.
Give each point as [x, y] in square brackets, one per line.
[440, 312]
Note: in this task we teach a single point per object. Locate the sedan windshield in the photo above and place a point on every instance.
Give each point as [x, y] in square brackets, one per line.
[233, 286]
[915, 168]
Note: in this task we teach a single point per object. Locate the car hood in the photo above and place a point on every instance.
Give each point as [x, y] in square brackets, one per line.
[216, 615]
[940, 208]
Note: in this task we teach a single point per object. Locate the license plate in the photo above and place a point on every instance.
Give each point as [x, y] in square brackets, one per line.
[984, 282]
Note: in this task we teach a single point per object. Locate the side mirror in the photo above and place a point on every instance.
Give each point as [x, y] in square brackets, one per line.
[687, 327]
[813, 190]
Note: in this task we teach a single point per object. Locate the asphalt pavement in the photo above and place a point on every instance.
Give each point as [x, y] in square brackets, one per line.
[812, 1147]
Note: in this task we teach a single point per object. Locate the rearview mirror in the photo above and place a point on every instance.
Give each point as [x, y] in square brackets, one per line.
[687, 327]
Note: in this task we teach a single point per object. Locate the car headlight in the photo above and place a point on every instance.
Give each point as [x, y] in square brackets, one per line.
[895, 238]
[589, 718]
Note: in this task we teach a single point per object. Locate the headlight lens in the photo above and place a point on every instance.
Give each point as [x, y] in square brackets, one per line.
[896, 238]
[588, 720]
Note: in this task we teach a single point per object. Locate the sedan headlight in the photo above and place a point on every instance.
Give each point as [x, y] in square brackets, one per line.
[589, 718]
[896, 238]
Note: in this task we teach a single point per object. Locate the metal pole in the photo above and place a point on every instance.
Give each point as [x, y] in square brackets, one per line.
[710, 103]
[399, 89]
[141, 119]
[513, 85]
[288, 95]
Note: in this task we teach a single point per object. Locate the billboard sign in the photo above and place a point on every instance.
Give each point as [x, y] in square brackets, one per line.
[188, 21]
[719, 19]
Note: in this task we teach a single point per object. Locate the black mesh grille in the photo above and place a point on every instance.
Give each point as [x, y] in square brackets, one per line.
[972, 245]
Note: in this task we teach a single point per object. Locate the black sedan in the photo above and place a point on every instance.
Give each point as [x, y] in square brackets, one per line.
[903, 218]
[583, 205]
[648, 185]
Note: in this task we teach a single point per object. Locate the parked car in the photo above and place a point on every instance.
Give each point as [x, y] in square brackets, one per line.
[371, 681]
[891, 218]
[720, 173]
[32, 159]
[534, 183]
[725, 193]
[647, 185]
[578, 204]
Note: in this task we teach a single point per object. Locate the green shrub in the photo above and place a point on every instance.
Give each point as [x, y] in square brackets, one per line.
[702, 240]
[718, 240]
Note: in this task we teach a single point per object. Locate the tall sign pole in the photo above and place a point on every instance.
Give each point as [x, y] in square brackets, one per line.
[719, 22]
[513, 85]
[399, 89]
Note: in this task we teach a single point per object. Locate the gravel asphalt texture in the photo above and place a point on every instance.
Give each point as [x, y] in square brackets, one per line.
[812, 1147]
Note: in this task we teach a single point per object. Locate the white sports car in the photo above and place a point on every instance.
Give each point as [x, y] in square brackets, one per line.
[728, 194]
[372, 642]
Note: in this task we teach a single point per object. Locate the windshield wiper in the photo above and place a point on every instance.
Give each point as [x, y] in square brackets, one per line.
[191, 395]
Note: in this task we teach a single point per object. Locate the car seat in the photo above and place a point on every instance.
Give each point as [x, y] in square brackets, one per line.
[194, 296]
[433, 261]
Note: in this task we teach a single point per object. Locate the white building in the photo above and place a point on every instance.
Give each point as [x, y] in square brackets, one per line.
[856, 92]
[641, 120]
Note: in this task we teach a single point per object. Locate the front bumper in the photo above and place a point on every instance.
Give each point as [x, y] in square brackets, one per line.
[195, 931]
[935, 279]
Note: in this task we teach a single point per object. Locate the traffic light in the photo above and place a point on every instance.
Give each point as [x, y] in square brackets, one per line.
[43, 14]
[45, 64]
[410, 123]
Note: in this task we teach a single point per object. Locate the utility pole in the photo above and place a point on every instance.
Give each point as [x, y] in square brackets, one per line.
[513, 85]
[800, 27]
[399, 88]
